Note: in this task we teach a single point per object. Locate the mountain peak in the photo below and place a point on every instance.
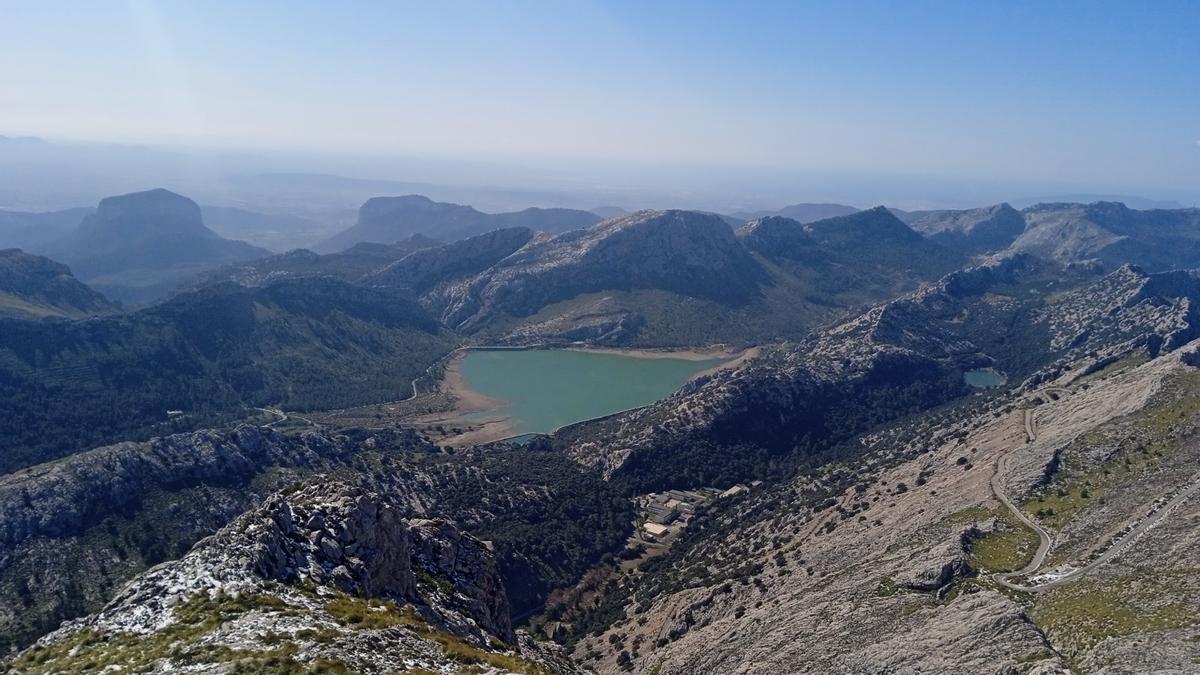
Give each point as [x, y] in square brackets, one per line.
[159, 208]
[662, 218]
[377, 208]
[138, 246]
[876, 223]
[980, 230]
[778, 236]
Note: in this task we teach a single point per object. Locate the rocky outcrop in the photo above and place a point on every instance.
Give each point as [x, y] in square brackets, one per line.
[73, 531]
[327, 570]
[33, 287]
[779, 237]
[338, 535]
[443, 550]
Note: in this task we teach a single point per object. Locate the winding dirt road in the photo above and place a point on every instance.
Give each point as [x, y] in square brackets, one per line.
[1044, 538]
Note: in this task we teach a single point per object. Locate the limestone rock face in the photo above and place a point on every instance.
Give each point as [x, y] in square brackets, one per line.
[339, 537]
[346, 537]
[437, 545]
[331, 568]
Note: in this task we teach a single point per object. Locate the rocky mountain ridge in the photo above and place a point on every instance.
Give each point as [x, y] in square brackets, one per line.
[328, 570]
[74, 530]
[32, 286]
[915, 348]
[682, 252]
[611, 282]
[350, 265]
[107, 510]
[1112, 234]
[973, 231]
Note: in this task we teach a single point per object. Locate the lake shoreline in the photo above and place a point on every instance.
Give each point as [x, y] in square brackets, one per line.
[467, 401]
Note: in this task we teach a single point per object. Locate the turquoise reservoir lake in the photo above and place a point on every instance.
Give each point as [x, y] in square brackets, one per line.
[544, 389]
[984, 378]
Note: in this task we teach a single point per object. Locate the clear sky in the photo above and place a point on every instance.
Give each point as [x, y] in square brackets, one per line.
[1103, 92]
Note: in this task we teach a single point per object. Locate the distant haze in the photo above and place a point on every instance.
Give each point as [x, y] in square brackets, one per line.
[666, 104]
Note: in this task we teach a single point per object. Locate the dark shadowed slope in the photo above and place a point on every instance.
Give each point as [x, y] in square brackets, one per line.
[300, 343]
[991, 228]
[33, 287]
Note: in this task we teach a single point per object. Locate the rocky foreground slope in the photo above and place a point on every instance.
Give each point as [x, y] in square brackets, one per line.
[331, 577]
[73, 531]
[884, 562]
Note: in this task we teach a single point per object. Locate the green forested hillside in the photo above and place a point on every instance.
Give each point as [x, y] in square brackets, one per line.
[302, 344]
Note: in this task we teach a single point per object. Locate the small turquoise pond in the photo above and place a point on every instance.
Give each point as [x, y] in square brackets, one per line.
[984, 378]
[544, 389]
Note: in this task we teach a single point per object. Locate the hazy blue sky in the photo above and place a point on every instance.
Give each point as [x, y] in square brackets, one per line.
[1087, 92]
